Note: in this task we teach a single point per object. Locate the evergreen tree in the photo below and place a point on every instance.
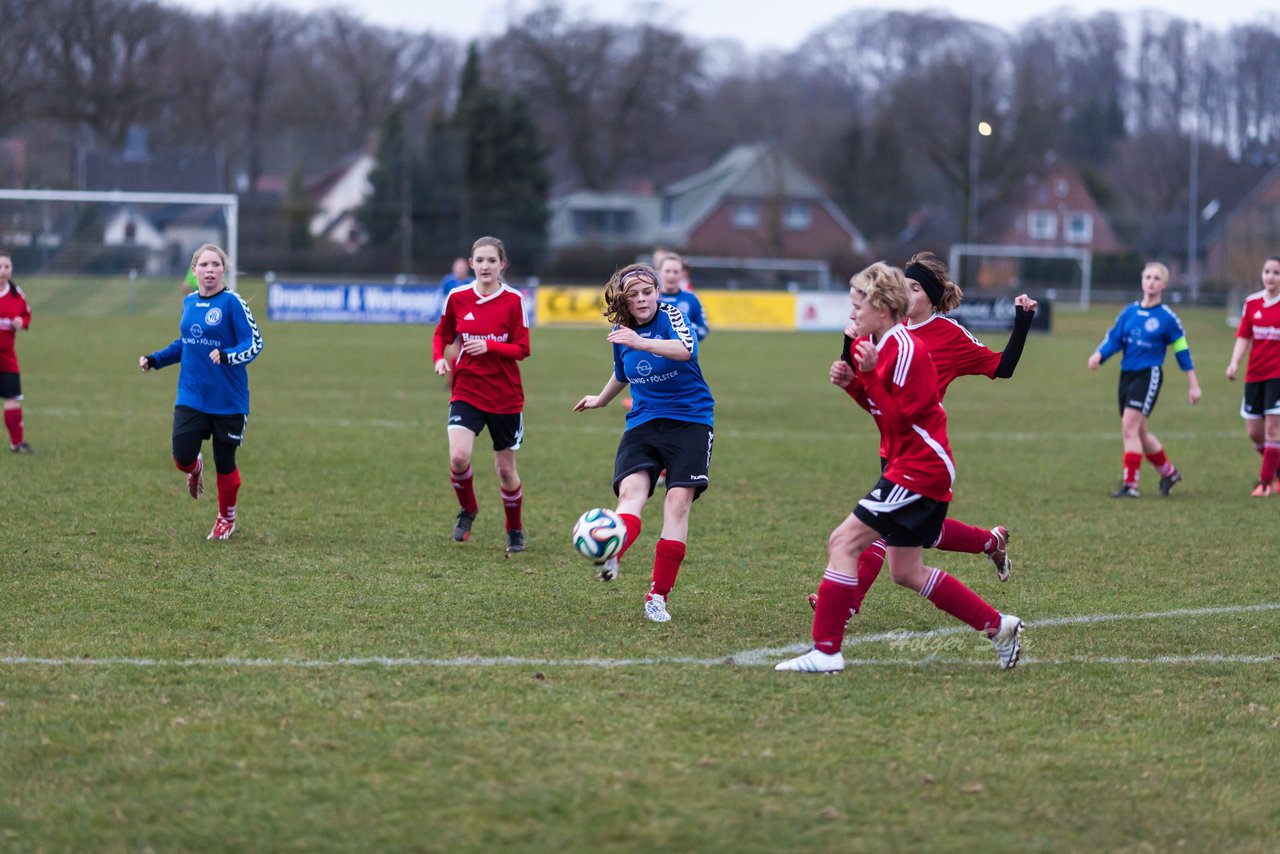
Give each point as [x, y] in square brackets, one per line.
[381, 212]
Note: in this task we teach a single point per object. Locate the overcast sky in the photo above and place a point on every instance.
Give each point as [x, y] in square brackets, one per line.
[758, 24]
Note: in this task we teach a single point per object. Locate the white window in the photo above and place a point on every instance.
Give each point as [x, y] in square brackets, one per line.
[1042, 225]
[745, 215]
[1079, 227]
[797, 216]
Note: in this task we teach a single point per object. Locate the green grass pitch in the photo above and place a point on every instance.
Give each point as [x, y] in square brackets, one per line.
[194, 695]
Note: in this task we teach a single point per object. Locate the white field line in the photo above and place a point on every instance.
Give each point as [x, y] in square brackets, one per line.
[611, 428]
[755, 657]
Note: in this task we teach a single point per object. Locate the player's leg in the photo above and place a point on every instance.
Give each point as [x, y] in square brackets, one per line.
[11, 392]
[465, 423]
[958, 536]
[1271, 451]
[508, 434]
[870, 562]
[669, 552]
[224, 463]
[1132, 427]
[190, 429]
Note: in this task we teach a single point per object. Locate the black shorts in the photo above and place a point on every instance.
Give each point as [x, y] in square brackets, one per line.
[1140, 389]
[505, 429]
[1260, 398]
[11, 386]
[902, 517]
[228, 429]
[683, 448]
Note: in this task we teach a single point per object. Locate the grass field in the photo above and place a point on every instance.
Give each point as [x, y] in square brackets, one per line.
[341, 675]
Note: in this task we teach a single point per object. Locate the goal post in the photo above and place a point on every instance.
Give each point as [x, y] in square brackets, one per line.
[1083, 257]
[229, 204]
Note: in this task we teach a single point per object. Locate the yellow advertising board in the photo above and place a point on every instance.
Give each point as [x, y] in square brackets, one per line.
[748, 310]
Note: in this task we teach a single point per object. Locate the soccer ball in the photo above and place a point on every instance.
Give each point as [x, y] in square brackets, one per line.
[598, 534]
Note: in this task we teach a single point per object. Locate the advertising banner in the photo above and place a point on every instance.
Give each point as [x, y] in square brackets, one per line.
[362, 303]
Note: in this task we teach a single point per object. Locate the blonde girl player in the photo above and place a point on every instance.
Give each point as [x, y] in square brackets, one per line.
[894, 379]
[217, 339]
[955, 353]
[488, 318]
[1143, 332]
[1259, 336]
[671, 424]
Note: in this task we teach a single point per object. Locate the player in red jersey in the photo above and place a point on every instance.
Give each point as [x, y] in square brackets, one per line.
[1260, 327]
[896, 382]
[15, 314]
[489, 320]
[955, 353]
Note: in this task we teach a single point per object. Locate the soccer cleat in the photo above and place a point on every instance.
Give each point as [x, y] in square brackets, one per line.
[1125, 491]
[195, 479]
[462, 526]
[21, 448]
[1008, 641]
[813, 661]
[999, 554]
[1167, 483]
[655, 608]
[1263, 490]
[222, 529]
[813, 601]
[608, 569]
[515, 541]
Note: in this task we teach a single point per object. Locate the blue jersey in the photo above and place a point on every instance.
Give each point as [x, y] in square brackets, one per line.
[661, 387]
[1144, 335]
[223, 322]
[691, 307]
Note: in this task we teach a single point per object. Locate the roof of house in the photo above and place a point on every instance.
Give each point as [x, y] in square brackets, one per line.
[756, 170]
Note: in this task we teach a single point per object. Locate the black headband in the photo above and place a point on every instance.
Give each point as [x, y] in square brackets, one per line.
[928, 280]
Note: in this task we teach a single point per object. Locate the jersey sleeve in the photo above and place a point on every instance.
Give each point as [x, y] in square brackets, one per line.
[1112, 344]
[1178, 340]
[619, 370]
[248, 338]
[1245, 329]
[914, 387]
[167, 356]
[446, 331]
[972, 357]
[698, 318]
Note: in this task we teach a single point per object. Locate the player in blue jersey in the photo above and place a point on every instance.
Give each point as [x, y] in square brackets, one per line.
[672, 273]
[1144, 331]
[216, 339]
[670, 425]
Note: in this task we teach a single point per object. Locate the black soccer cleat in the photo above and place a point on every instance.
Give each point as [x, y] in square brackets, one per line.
[462, 527]
[515, 541]
[1167, 483]
[1125, 491]
[21, 448]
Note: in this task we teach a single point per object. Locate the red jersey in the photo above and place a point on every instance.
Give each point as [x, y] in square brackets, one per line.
[489, 382]
[901, 394]
[1260, 321]
[14, 315]
[955, 352]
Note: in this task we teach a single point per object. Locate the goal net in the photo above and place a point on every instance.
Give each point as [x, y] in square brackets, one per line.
[119, 243]
[1006, 267]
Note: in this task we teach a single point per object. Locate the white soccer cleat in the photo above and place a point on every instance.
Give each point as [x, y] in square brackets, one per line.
[813, 661]
[608, 569]
[999, 556]
[222, 529]
[655, 608]
[195, 479]
[1008, 641]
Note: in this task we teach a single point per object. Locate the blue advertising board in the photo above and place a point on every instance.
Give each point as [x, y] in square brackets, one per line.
[362, 303]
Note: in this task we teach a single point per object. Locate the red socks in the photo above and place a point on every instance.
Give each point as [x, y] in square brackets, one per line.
[1270, 462]
[464, 488]
[870, 562]
[836, 596]
[1132, 462]
[633, 531]
[188, 469]
[228, 489]
[959, 537]
[1161, 462]
[13, 421]
[951, 595]
[511, 502]
[667, 558]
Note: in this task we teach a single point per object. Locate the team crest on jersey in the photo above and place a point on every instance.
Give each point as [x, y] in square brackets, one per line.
[1152, 324]
[213, 316]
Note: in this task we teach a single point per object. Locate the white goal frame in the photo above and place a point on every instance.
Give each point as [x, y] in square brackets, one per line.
[229, 202]
[1003, 250]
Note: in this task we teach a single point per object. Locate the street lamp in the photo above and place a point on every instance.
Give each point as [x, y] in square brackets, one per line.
[977, 129]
